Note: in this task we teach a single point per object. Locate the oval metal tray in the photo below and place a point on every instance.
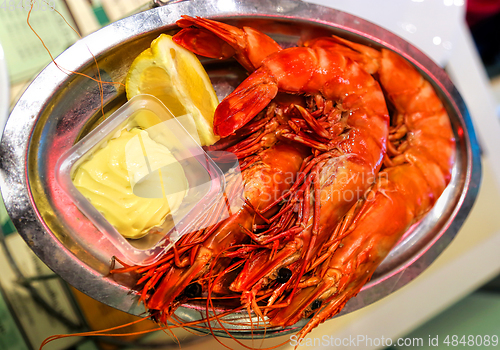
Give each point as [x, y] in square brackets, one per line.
[58, 108]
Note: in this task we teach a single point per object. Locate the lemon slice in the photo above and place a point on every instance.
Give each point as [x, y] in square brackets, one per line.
[175, 76]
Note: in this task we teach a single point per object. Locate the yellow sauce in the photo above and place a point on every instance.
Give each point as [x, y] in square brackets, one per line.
[132, 161]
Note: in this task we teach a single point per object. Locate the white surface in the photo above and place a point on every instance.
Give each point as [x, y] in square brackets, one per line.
[4, 90]
[469, 76]
[495, 85]
[431, 25]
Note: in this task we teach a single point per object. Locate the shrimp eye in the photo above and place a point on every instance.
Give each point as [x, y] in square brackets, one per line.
[284, 275]
[193, 290]
[315, 304]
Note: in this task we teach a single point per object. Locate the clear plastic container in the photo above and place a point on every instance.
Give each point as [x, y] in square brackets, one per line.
[201, 189]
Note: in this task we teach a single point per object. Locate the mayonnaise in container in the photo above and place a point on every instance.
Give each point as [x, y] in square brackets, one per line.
[142, 179]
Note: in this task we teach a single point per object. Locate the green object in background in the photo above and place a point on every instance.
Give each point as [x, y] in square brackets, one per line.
[10, 335]
[7, 225]
[88, 345]
[24, 52]
[477, 315]
[100, 14]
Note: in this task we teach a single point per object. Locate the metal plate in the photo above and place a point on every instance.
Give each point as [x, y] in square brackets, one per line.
[58, 108]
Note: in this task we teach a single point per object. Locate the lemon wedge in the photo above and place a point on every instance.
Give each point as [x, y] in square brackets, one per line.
[175, 76]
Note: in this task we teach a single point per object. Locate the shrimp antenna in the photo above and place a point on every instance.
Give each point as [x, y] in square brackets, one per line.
[99, 81]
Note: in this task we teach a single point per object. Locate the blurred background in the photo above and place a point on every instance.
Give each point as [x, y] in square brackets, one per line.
[459, 294]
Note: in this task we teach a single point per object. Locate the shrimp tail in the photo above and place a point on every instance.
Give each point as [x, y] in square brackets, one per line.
[249, 46]
[204, 43]
[244, 103]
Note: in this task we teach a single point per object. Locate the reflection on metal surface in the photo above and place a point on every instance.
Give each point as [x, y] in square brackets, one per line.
[50, 117]
[4, 90]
